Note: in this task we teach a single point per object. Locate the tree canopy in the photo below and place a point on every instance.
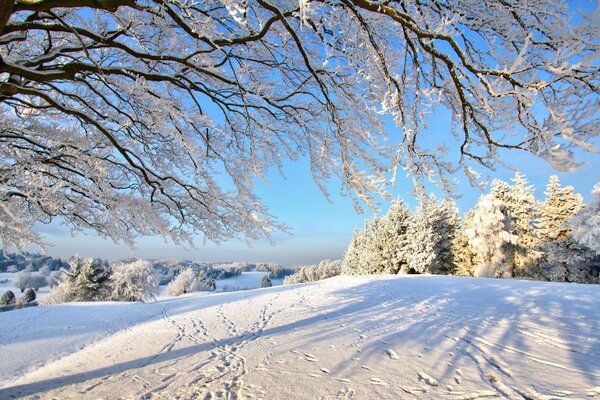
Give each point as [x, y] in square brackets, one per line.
[138, 117]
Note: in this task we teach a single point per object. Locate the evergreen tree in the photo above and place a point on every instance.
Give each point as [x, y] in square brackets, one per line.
[29, 295]
[430, 235]
[7, 298]
[89, 279]
[392, 240]
[381, 247]
[563, 255]
[463, 255]
[354, 257]
[522, 207]
[586, 224]
[490, 236]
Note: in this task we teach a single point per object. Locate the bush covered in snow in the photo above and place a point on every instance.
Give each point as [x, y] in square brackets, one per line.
[189, 281]
[316, 272]
[133, 281]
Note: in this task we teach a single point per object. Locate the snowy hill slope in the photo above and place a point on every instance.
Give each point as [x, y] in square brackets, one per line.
[376, 337]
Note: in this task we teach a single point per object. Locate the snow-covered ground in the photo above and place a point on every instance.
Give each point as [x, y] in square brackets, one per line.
[247, 280]
[376, 337]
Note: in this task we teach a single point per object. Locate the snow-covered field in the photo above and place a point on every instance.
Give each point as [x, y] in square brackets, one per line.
[376, 337]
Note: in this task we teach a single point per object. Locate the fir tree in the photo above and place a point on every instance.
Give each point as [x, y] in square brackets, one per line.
[89, 279]
[8, 298]
[28, 295]
[586, 224]
[381, 247]
[463, 255]
[431, 232]
[522, 207]
[490, 236]
[563, 255]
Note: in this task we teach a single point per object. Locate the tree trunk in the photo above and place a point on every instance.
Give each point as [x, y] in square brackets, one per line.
[6, 9]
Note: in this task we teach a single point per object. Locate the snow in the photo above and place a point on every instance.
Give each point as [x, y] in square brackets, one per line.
[247, 280]
[366, 337]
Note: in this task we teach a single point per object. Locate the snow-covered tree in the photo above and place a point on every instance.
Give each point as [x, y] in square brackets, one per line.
[564, 258]
[361, 255]
[185, 282]
[189, 281]
[490, 236]
[87, 280]
[523, 209]
[430, 236]
[118, 115]
[134, 281]
[381, 247]
[266, 282]
[25, 279]
[586, 223]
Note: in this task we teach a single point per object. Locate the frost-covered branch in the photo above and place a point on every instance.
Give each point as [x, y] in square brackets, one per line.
[156, 117]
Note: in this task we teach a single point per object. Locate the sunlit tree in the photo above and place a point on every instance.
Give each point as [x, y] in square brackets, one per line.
[139, 117]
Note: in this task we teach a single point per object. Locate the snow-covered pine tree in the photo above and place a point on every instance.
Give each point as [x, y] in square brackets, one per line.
[354, 257]
[89, 278]
[381, 247]
[489, 234]
[430, 236]
[523, 209]
[586, 223]
[463, 255]
[392, 240]
[564, 257]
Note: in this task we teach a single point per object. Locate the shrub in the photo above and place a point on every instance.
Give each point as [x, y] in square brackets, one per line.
[7, 298]
[266, 282]
[28, 295]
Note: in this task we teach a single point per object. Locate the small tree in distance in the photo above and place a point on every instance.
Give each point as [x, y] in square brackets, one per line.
[266, 281]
